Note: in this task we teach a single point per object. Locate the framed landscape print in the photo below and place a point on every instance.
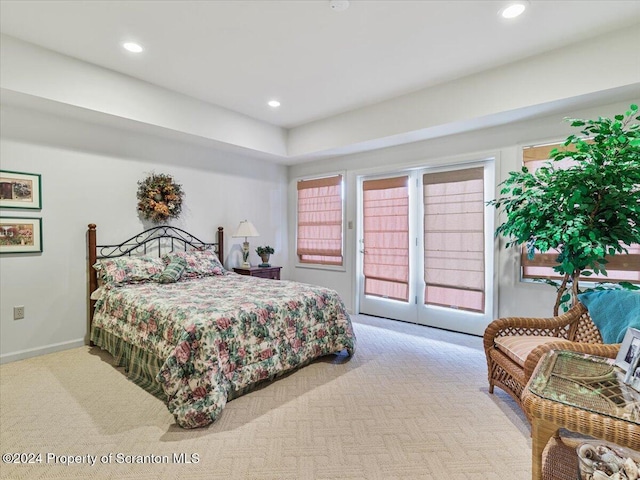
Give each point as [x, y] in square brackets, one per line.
[20, 190]
[20, 235]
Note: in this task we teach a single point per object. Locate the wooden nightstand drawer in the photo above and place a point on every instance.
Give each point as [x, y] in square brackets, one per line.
[262, 272]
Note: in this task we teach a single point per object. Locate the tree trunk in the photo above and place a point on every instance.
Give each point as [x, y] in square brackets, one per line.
[562, 289]
[574, 287]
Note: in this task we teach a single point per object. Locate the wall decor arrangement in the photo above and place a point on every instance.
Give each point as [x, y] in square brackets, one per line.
[20, 190]
[20, 235]
[159, 198]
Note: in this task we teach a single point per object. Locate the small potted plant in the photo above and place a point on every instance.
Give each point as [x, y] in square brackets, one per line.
[264, 253]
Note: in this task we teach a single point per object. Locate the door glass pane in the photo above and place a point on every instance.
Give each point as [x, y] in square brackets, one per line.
[386, 238]
[454, 239]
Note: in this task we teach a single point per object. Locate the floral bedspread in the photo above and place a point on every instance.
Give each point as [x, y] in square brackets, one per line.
[224, 333]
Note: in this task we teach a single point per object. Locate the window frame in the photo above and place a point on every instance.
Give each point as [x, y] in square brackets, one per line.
[320, 266]
[547, 260]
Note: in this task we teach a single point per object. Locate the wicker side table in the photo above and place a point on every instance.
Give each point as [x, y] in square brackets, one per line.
[581, 393]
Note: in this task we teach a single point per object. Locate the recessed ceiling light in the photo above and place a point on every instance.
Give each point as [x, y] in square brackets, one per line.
[273, 103]
[132, 47]
[513, 10]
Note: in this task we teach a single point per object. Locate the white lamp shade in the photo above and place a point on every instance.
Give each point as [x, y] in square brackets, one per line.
[246, 229]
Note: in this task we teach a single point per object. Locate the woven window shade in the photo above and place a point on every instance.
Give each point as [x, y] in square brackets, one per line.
[620, 267]
[454, 239]
[320, 221]
[386, 238]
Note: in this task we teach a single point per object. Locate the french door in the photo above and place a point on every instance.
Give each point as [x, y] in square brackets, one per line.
[387, 211]
[426, 247]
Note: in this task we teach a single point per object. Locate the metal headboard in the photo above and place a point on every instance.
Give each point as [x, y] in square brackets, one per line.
[161, 239]
[156, 240]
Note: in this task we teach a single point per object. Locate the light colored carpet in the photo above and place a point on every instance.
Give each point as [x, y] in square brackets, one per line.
[412, 403]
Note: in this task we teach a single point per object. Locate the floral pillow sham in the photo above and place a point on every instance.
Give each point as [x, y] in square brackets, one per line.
[200, 263]
[122, 270]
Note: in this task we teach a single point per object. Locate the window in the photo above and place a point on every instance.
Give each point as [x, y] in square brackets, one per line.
[621, 267]
[320, 221]
[386, 238]
[454, 239]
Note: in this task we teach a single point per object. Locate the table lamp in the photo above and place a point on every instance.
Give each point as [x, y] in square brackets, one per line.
[246, 229]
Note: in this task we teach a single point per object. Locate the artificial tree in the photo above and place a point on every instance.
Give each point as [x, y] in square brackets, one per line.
[585, 211]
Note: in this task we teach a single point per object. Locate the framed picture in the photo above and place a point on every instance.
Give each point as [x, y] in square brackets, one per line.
[629, 350]
[20, 235]
[20, 190]
[635, 379]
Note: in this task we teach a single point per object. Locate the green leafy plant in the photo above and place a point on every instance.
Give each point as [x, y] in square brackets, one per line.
[586, 211]
[264, 250]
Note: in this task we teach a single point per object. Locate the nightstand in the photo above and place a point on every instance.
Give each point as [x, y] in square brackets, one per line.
[263, 272]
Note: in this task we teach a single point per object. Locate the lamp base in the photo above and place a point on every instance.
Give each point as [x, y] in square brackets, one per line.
[245, 254]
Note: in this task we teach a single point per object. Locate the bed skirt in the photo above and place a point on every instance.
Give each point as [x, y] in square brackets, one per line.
[141, 367]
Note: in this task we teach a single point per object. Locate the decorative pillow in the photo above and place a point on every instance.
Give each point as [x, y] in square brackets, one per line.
[121, 270]
[173, 271]
[613, 311]
[200, 263]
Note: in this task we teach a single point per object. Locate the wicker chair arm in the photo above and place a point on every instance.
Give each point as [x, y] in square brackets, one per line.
[530, 326]
[599, 349]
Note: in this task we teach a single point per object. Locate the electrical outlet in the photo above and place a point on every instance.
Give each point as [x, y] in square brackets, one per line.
[18, 312]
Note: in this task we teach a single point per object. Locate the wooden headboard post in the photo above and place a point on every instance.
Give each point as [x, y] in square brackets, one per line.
[220, 241]
[93, 275]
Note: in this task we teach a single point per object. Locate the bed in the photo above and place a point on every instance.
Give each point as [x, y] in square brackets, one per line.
[196, 335]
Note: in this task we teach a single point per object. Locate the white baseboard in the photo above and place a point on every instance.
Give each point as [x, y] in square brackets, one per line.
[35, 352]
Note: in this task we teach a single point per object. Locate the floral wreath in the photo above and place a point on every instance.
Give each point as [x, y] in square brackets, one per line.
[159, 198]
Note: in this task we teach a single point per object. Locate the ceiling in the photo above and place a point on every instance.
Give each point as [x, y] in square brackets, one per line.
[316, 61]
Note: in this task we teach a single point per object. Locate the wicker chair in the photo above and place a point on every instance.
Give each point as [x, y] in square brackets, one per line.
[574, 331]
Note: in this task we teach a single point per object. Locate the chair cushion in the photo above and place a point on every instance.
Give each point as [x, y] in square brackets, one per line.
[613, 311]
[518, 347]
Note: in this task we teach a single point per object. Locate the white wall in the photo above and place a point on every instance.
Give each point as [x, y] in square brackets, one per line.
[497, 95]
[504, 143]
[541, 83]
[89, 175]
[70, 81]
